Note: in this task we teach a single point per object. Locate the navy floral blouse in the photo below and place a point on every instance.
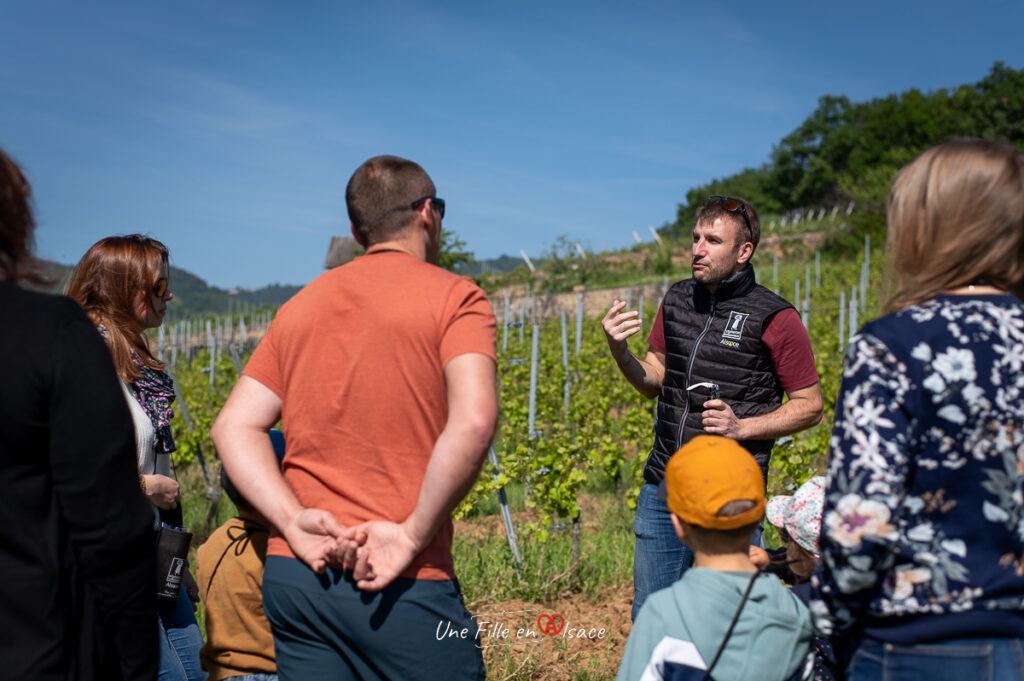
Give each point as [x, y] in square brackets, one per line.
[923, 526]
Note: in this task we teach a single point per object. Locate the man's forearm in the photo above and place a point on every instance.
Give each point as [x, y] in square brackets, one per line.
[454, 466]
[644, 374]
[249, 459]
[240, 435]
[459, 451]
[792, 417]
[641, 376]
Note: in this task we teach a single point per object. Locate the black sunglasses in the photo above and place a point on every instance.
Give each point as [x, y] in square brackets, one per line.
[160, 287]
[438, 203]
[733, 206]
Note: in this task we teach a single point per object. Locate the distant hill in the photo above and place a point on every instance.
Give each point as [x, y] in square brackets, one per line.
[193, 297]
[504, 263]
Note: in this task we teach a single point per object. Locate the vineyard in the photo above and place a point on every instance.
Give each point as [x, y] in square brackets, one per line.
[549, 521]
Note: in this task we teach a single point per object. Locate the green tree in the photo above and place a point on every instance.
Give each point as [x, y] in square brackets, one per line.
[852, 150]
[452, 251]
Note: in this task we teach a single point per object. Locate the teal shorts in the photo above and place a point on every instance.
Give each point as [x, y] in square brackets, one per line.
[326, 628]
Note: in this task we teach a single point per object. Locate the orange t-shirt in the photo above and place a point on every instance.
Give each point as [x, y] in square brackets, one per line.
[357, 358]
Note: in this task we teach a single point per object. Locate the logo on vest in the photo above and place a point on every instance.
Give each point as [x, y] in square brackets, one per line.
[734, 328]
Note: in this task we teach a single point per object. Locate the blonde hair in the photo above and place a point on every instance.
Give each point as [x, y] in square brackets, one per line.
[956, 216]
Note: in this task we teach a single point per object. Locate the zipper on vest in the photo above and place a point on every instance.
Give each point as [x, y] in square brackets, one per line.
[689, 372]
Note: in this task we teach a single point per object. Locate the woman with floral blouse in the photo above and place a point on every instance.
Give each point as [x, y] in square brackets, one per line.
[922, 573]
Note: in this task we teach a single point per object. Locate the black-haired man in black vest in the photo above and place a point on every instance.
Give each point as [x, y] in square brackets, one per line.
[723, 352]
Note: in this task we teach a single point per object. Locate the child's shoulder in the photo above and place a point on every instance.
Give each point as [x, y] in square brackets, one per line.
[701, 577]
[233, 531]
[218, 539]
[704, 585]
[240, 542]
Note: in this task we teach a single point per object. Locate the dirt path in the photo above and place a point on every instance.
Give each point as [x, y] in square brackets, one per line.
[528, 640]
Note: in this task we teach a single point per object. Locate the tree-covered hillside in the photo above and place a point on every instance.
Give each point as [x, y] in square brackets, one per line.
[851, 150]
[192, 295]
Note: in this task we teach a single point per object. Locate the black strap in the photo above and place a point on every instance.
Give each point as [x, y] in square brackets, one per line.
[732, 625]
[239, 541]
[174, 516]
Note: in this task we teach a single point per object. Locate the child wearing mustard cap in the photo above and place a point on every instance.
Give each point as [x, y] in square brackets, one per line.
[721, 618]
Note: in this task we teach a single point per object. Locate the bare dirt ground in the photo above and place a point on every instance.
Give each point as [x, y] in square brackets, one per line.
[551, 641]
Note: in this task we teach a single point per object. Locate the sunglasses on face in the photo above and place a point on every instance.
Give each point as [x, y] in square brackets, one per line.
[160, 287]
[437, 203]
[733, 206]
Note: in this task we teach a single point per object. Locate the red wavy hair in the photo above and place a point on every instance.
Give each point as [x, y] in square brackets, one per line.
[107, 282]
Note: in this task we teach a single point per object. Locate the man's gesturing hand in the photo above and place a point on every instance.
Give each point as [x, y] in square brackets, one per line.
[618, 326]
[719, 419]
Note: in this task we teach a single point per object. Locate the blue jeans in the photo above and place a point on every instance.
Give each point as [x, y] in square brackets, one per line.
[180, 642]
[262, 676]
[659, 558]
[977, 659]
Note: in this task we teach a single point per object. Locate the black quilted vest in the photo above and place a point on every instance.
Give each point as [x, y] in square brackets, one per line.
[715, 338]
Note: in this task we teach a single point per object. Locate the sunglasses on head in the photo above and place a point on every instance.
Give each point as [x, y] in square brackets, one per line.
[438, 203]
[733, 206]
[160, 287]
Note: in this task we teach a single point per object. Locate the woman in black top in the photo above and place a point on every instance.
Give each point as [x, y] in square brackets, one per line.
[76, 597]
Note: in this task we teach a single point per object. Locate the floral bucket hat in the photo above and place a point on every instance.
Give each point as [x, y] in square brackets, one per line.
[800, 514]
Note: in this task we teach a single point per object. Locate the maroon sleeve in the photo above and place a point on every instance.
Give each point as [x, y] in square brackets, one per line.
[657, 338]
[790, 348]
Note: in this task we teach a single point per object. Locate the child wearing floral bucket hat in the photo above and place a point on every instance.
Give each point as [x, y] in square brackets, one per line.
[798, 517]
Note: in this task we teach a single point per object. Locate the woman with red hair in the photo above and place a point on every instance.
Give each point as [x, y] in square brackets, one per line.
[122, 283]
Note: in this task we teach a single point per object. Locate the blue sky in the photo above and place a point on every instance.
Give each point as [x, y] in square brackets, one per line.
[229, 129]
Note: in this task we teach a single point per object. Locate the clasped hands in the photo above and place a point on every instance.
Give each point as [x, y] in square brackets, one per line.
[376, 551]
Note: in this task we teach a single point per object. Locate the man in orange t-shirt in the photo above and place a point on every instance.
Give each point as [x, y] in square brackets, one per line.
[382, 373]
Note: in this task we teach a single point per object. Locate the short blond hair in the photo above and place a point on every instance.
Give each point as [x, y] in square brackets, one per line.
[955, 216]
